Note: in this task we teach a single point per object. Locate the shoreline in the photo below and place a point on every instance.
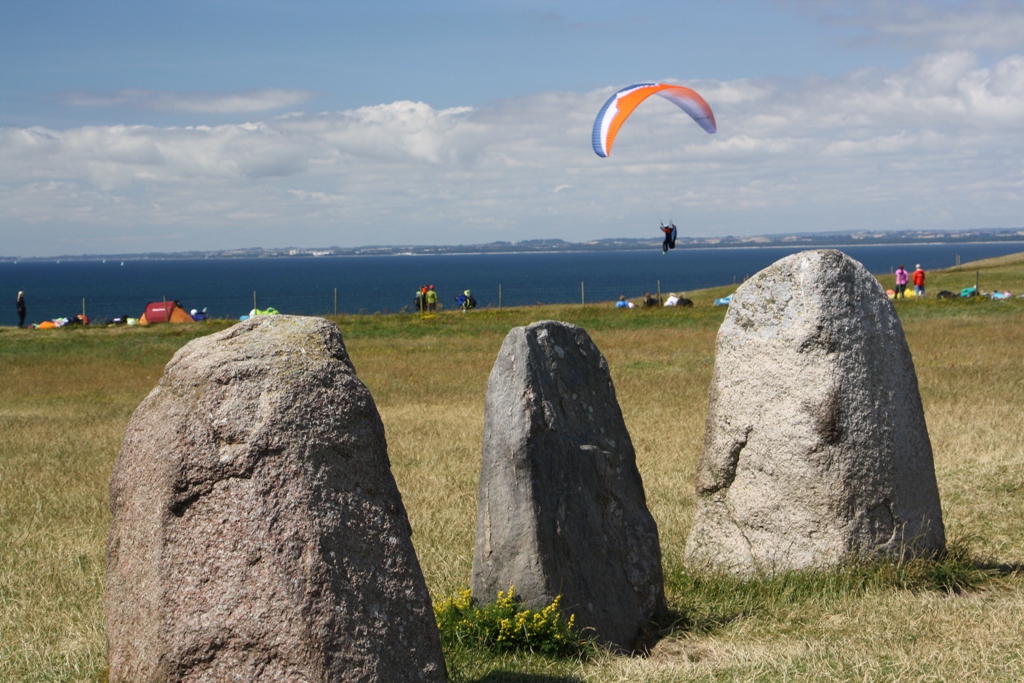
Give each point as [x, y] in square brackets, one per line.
[801, 247]
[228, 287]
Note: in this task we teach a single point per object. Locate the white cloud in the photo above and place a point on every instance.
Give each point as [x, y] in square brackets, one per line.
[195, 102]
[936, 145]
[977, 25]
[971, 25]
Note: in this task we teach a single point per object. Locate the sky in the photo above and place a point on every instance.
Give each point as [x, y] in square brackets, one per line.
[159, 126]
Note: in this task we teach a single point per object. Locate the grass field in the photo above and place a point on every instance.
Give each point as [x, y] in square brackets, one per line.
[66, 396]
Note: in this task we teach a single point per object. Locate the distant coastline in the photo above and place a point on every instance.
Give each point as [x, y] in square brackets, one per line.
[808, 240]
[230, 287]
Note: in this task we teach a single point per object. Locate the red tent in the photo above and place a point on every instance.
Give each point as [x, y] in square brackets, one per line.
[164, 311]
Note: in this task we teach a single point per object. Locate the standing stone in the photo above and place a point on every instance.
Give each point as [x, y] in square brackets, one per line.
[561, 504]
[815, 450]
[257, 531]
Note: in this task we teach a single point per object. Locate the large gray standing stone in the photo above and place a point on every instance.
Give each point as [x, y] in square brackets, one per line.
[257, 531]
[561, 504]
[816, 449]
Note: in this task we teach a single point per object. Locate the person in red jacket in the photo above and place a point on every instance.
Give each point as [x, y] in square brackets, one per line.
[918, 281]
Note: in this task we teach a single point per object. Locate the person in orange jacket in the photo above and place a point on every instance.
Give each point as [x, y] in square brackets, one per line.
[918, 281]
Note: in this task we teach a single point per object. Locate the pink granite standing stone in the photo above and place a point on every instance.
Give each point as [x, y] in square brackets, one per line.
[257, 532]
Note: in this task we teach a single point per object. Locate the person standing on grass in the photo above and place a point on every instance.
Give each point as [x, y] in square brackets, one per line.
[431, 298]
[902, 278]
[918, 281]
[21, 309]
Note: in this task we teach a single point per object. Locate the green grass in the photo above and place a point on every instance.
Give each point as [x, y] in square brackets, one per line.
[709, 602]
[66, 396]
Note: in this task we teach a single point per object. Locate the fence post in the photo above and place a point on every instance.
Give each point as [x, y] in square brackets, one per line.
[583, 294]
[499, 296]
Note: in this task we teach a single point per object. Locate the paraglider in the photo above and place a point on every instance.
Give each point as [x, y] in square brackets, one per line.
[620, 105]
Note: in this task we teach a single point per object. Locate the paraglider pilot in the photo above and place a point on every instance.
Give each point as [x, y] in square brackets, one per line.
[670, 237]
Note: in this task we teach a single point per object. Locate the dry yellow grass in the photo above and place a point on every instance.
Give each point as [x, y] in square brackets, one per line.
[63, 411]
[61, 426]
[970, 371]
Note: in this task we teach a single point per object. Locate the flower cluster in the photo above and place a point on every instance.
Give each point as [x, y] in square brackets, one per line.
[505, 625]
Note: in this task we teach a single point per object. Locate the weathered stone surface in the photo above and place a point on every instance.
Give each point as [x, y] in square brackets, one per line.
[816, 449]
[561, 504]
[257, 531]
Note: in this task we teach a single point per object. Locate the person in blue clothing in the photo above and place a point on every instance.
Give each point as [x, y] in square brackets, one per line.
[465, 301]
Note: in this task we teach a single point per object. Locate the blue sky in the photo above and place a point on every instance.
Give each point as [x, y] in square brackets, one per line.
[161, 126]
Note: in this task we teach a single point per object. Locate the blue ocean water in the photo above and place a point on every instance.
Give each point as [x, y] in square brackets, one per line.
[387, 283]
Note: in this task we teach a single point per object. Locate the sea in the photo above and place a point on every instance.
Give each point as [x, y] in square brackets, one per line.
[228, 288]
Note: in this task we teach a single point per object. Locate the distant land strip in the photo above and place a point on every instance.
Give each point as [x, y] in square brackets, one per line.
[805, 239]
